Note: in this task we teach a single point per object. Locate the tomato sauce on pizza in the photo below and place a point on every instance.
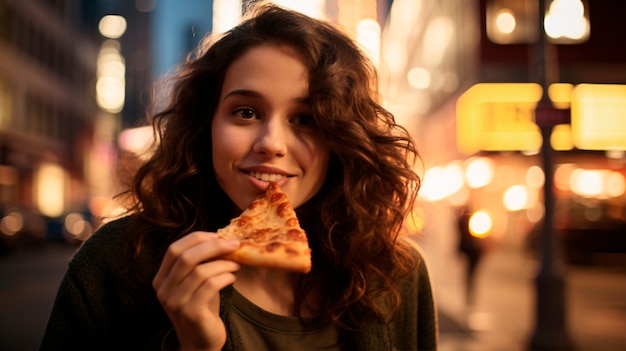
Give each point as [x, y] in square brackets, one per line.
[270, 234]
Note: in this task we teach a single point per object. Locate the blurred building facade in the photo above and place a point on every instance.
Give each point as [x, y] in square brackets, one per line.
[590, 222]
[57, 143]
[47, 106]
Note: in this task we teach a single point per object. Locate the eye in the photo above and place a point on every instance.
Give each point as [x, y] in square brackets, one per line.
[245, 113]
[303, 120]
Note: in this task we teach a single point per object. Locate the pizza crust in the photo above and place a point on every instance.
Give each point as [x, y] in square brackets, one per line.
[295, 257]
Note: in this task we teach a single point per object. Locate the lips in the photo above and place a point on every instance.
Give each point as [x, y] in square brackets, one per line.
[266, 174]
[267, 177]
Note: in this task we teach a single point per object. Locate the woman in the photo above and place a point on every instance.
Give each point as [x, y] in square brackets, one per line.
[285, 98]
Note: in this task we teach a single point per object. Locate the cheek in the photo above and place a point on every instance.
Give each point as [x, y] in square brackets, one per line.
[225, 147]
[323, 166]
[318, 160]
[321, 153]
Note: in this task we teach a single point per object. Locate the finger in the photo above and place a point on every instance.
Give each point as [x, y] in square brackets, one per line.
[196, 255]
[174, 251]
[204, 297]
[185, 262]
[210, 277]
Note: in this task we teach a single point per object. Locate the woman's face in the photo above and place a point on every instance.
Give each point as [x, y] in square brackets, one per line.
[263, 129]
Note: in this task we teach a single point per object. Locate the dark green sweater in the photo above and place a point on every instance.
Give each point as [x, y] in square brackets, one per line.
[101, 306]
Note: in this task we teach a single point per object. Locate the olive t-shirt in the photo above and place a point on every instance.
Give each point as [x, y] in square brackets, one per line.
[264, 331]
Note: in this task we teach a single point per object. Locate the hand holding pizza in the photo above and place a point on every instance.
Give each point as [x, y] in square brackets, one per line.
[188, 284]
[197, 266]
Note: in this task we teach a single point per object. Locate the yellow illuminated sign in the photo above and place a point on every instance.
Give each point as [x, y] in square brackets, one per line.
[599, 116]
[498, 117]
[561, 138]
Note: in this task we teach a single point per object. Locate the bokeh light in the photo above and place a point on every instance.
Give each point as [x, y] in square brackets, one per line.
[112, 26]
[442, 181]
[586, 183]
[479, 172]
[480, 223]
[535, 177]
[515, 198]
[50, 193]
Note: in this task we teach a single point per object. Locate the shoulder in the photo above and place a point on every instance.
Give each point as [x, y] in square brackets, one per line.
[120, 247]
[415, 326]
[418, 254]
[418, 287]
[109, 244]
[108, 235]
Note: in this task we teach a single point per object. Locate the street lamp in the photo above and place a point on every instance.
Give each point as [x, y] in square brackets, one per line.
[550, 331]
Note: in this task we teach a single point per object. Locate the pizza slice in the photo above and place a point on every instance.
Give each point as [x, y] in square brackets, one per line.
[270, 234]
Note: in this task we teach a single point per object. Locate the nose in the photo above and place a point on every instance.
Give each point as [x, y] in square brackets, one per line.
[272, 138]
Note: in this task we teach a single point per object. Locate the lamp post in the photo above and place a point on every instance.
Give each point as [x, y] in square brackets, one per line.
[550, 331]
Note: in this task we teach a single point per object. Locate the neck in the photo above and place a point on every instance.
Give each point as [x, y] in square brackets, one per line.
[272, 290]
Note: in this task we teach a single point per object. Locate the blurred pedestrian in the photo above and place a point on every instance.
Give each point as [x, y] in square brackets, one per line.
[472, 248]
[281, 97]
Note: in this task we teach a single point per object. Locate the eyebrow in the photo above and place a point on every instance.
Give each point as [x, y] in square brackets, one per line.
[243, 92]
[256, 94]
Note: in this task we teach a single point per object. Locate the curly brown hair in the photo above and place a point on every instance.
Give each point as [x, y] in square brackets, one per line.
[354, 223]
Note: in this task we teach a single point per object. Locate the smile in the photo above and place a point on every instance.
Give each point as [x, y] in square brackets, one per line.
[267, 177]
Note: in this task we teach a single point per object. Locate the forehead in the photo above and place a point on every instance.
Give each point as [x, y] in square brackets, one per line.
[267, 62]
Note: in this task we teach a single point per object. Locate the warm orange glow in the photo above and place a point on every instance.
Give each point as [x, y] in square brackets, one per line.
[536, 213]
[50, 189]
[12, 223]
[414, 222]
[535, 177]
[597, 183]
[614, 184]
[136, 140]
[76, 227]
[351, 12]
[586, 183]
[98, 204]
[8, 175]
[562, 175]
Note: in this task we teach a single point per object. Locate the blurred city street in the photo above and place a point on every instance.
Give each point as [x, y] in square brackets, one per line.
[501, 318]
[29, 278]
